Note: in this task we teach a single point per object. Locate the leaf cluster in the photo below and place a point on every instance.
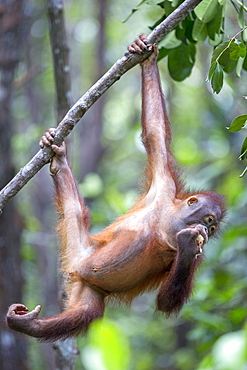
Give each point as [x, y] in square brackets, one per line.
[205, 22]
[240, 123]
[226, 57]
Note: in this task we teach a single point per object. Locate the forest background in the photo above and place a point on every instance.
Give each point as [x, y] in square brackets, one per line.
[107, 158]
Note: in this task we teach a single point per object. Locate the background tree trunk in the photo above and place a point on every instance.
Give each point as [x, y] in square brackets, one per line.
[66, 351]
[90, 136]
[12, 344]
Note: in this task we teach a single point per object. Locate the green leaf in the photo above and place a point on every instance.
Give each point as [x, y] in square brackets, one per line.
[217, 40]
[181, 61]
[243, 173]
[241, 21]
[153, 2]
[242, 49]
[229, 66]
[219, 49]
[237, 49]
[211, 70]
[243, 152]
[214, 26]
[239, 67]
[188, 27]
[238, 123]
[206, 10]
[199, 32]
[135, 9]
[184, 30]
[170, 41]
[227, 54]
[244, 35]
[217, 79]
[176, 3]
[180, 31]
[223, 57]
[168, 7]
[163, 52]
[243, 155]
[157, 22]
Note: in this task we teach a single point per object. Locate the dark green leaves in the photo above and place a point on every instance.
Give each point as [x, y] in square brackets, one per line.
[179, 45]
[206, 22]
[181, 61]
[225, 58]
[217, 77]
[209, 22]
[215, 25]
[239, 123]
[237, 49]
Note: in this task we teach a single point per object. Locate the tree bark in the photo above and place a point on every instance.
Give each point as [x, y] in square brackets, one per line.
[65, 351]
[12, 344]
[127, 62]
[60, 53]
[90, 133]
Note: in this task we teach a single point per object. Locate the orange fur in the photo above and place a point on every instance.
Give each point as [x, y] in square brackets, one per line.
[153, 246]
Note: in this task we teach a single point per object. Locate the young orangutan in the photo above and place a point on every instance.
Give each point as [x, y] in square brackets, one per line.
[157, 244]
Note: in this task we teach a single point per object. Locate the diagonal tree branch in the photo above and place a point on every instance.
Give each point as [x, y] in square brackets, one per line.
[90, 97]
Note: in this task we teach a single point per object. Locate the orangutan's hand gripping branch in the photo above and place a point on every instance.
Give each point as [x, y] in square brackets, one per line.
[158, 244]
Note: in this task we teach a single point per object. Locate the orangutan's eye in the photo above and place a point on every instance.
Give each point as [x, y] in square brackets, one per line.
[212, 229]
[192, 200]
[209, 219]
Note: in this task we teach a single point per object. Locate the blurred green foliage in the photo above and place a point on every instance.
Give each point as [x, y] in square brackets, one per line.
[106, 348]
[210, 333]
